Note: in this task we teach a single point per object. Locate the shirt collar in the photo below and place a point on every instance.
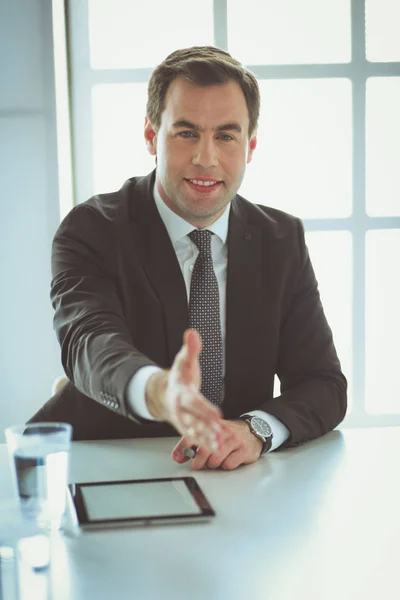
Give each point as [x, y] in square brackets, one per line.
[178, 228]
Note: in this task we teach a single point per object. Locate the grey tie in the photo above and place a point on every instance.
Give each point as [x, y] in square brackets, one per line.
[204, 316]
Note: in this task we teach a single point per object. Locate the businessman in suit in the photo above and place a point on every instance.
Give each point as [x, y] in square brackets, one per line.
[177, 301]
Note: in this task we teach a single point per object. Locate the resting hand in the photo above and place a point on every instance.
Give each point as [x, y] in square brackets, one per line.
[238, 447]
[174, 396]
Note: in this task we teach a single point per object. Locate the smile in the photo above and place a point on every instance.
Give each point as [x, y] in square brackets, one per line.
[203, 185]
[202, 182]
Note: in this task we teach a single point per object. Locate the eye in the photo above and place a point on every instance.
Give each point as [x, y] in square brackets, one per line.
[187, 134]
[225, 137]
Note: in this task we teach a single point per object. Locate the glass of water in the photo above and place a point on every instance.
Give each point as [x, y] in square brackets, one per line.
[39, 454]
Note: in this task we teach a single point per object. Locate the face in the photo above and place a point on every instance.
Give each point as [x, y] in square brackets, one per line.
[202, 148]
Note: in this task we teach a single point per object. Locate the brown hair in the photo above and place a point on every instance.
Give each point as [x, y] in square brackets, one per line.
[203, 66]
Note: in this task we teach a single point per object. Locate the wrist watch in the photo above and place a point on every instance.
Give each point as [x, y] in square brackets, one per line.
[261, 429]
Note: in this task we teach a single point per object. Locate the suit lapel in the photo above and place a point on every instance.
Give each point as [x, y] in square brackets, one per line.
[245, 308]
[244, 314]
[160, 263]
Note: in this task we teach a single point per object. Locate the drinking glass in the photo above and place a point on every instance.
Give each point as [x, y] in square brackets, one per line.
[39, 454]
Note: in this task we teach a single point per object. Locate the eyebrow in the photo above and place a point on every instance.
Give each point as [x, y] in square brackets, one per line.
[224, 127]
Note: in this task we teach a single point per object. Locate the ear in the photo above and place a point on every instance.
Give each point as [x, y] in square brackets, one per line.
[251, 147]
[150, 137]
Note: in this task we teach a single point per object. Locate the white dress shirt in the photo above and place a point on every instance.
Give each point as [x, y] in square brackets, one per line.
[187, 252]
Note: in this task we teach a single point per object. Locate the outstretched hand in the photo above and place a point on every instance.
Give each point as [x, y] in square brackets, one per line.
[174, 396]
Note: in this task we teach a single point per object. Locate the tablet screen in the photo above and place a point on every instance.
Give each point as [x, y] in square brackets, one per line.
[135, 500]
[141, 501]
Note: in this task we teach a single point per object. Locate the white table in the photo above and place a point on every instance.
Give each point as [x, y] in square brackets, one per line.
[318, 522]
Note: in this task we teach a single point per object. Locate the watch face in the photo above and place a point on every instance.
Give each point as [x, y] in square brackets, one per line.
[261, 427]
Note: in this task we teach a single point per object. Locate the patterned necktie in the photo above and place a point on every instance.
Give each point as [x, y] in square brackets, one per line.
[204, 316]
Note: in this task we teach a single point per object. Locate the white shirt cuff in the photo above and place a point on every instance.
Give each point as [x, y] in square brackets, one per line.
[280, 433]
[136, 392]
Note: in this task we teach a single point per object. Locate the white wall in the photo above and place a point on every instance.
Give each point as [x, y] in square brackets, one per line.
[29, 214]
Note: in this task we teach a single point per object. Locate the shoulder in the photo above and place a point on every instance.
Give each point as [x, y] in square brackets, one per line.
[114, 205]
[103, 212]
[274, 223]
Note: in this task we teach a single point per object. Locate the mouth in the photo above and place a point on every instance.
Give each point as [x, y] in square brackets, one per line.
[204, 186]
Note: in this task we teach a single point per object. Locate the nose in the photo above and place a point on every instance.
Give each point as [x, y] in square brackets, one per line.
[205, 153]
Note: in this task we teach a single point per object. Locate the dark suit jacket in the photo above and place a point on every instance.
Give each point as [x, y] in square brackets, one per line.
[120, 303]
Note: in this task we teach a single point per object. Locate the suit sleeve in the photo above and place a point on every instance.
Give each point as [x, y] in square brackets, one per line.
[97, 351]
[313, 396]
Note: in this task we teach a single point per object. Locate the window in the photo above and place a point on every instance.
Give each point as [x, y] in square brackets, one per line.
[328, 151]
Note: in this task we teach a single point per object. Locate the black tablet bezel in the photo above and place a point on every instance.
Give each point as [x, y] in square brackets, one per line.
[197, 494]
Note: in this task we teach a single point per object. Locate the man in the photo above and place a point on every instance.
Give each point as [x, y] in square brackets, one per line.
[178, 255]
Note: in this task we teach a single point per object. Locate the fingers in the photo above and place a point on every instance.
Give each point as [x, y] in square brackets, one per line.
[205, 459]
[178, 453]
[196, 419]
[216, 459]
[234, 460]
[183, 452]
[188, 399]
[226, 459]
[199, 420]
[232, 452]
[198, 433]
[201, 458]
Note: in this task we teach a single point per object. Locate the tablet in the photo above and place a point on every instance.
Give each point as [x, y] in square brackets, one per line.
[140, 502]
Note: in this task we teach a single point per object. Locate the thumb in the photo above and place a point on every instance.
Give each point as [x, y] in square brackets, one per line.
[178, 453]
[192, 341]
[186, 366]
